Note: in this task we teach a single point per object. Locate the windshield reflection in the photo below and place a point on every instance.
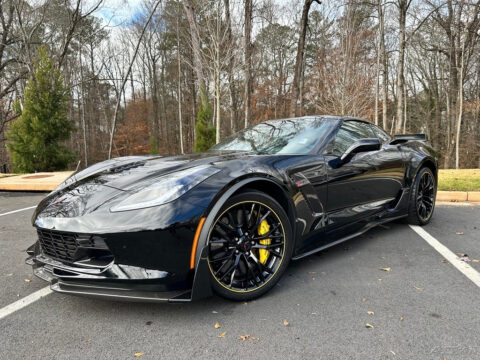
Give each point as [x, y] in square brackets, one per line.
[298, 136]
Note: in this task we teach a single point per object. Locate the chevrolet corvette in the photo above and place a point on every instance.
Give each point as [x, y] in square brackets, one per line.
[228, 221]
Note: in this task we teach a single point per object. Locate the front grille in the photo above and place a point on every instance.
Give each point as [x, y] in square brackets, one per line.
[59, 245]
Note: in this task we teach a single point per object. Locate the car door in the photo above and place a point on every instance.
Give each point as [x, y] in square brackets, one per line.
[363, 186]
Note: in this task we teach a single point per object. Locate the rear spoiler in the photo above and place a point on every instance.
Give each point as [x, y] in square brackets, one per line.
[403, 138]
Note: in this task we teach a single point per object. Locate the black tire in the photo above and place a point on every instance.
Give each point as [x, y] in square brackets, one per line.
[237, 242]
[422, 198]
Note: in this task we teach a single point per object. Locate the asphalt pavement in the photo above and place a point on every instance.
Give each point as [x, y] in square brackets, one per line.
[423, 308]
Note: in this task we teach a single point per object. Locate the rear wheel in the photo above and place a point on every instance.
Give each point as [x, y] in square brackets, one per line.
[422, 198]
[250, 245]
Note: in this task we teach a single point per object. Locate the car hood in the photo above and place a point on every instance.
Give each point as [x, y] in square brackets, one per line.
[127, 173]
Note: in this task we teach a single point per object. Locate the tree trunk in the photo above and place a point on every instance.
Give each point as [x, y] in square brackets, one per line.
[179, 90]
[195, 38]
[231, 81]
[460, 108]
[248, 61]
[297, 77]
[384, 59]
[402, 15]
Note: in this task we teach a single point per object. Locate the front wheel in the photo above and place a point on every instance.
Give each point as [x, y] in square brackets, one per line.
[250, 244]
[422, 198]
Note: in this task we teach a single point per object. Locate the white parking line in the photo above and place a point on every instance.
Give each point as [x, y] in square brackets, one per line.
[15, 211]
[462, 266]
[20, 304]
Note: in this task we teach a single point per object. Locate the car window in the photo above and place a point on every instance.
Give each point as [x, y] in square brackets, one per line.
[349, 132]
[381, 135]
[288, 136]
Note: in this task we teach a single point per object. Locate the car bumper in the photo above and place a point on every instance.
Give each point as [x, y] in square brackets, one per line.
[143, 266]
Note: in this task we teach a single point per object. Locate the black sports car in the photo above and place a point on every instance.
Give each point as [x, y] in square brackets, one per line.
[155, 228]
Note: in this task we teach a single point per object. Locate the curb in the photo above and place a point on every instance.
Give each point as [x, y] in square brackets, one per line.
[458, 196]
[33, 182]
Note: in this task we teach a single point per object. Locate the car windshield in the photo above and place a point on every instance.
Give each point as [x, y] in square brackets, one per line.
[297, 136]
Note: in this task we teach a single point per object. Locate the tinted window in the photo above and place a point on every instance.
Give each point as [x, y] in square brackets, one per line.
[350, 132]
[297, 136]
[382, 135]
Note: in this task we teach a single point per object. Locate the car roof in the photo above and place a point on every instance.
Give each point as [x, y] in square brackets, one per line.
[324, 117]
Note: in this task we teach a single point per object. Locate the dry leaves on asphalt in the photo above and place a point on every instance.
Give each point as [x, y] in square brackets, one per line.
[27, 280]
[369, 326]
[475, 260]
[386, 269]
[285, 322]
[244, 337]
[401, 318]
[444, 261]
[364, 299]
[222, 335]
[217, 325]
[418, 288]
[459, 233]
[369, 312]
[138, 354]
[214, 312]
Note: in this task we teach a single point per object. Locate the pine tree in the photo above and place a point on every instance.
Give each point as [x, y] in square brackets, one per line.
[153, 145]
[34, 139]
[204, 131]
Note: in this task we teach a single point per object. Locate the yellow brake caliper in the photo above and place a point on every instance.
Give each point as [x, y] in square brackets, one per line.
[263, 229]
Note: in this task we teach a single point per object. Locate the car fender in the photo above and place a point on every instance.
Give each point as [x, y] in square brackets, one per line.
[201, 282]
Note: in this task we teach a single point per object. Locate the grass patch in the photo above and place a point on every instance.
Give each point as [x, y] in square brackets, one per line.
[459, 180]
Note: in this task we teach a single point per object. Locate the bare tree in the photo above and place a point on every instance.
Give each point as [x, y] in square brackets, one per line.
[298, 74]
[247, 48]
[117, 106]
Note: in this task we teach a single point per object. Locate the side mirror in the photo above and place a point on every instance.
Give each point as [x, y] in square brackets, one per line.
[362, 145]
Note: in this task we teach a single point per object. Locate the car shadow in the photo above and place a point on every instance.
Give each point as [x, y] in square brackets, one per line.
[296, 279]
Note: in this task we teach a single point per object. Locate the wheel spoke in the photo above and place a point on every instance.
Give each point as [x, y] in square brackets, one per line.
[235, 244]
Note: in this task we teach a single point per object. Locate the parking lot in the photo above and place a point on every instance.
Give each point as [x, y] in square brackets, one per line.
[336, 304]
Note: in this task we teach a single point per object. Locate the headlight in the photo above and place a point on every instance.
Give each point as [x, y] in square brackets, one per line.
[166, 188]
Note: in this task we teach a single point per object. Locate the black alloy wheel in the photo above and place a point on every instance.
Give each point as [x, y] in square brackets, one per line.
[249, 246]
[422, 200]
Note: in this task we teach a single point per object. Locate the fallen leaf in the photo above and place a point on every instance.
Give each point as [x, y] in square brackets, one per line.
[244, 337]
[364, 299]
[138, 354]
[222, 335]
[475, 260]
[369, 312]
[214, 312]
[311, 272]
[443, 261]
[314, 313]
[27, 280]
[418, 288]
[285, 322]
[217, 325]
[459, 233]
[9, 274]
[370, 326]
[401, 318]
[245, 303]
[313, 278]
[393, 352]
[379, 280]
[88, 340]
[386, 269]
